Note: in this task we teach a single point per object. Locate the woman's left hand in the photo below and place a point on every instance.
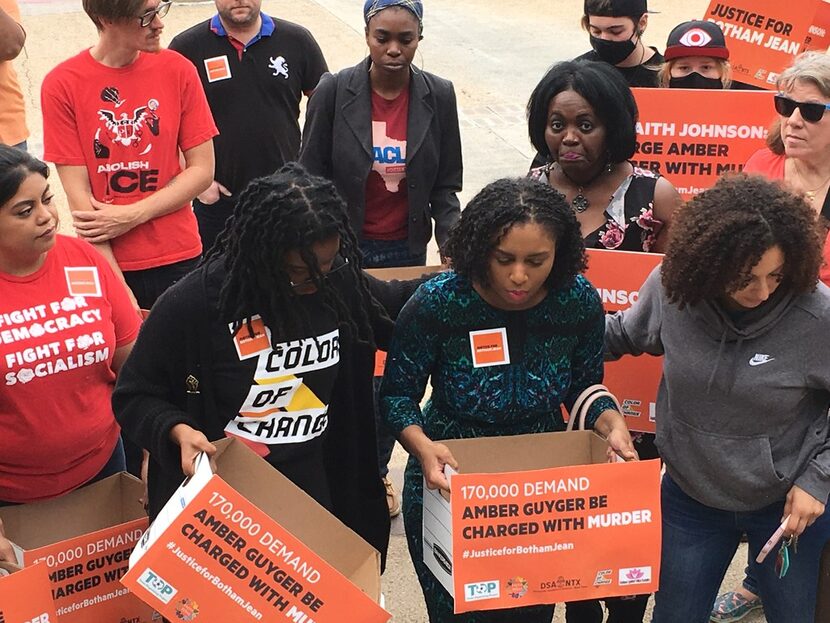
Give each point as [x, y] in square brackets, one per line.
[611, 425]
[803, 510]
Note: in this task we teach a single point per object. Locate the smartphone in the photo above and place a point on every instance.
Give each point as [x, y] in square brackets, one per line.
[773, 541]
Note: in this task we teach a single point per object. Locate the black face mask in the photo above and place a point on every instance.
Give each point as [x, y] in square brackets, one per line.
[695, 81]
[613, 52]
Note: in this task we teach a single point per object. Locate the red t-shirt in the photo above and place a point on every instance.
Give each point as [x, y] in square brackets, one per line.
[771, 165]
[126, 126]
[387, 201]
[59, 328]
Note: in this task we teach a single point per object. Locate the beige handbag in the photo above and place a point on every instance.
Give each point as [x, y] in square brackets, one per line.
[583, 404]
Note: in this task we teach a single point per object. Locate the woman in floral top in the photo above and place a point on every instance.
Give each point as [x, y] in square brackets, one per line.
[582, 120]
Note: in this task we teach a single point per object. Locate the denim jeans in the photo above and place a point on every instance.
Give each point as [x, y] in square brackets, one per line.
[387, 254]
[149, 284]
[699, 543]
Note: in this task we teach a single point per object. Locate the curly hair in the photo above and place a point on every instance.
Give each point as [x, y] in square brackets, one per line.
[724, 231]
[288, 210]
[604, 88]
[499, 206]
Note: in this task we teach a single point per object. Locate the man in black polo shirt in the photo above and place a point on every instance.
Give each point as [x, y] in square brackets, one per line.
[255, 70]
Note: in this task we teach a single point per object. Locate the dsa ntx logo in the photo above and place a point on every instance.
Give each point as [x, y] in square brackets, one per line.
[157, 585]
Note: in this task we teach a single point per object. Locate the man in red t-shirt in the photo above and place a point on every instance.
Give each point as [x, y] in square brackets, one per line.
[116, 118]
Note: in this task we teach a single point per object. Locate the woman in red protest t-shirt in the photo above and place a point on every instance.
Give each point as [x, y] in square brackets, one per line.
[798, 146]
[66, 326]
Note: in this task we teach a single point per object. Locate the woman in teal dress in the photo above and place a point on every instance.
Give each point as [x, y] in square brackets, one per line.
[517, 255]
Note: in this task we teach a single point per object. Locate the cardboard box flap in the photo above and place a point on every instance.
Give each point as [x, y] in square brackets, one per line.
[334, 542]
[80, 512]
[490, 455]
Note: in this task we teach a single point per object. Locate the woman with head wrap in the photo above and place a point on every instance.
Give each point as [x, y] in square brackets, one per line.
[386, 133]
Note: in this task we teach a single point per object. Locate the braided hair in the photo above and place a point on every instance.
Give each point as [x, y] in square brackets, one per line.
[288, 210]
[496, 209]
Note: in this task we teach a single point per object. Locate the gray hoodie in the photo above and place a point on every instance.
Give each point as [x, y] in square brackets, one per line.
[742, 407]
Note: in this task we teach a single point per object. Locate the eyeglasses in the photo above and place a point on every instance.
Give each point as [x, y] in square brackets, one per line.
[310, 280]
[161, 10]
[782, 560]
[810, 111]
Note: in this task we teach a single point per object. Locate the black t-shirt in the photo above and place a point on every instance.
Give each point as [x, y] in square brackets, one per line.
[276, 399]
[255, 98]
[644, 75]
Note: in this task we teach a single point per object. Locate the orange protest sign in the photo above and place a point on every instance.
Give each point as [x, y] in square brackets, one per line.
[214, 554]
[763, 36]
[818, 35]
[26, 597]
[692, 137]
[557, 534]
[84, 540]
[617, 276]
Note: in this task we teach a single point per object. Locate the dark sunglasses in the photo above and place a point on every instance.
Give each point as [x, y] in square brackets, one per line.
[161, 10]
[810, 111]
[333, 270]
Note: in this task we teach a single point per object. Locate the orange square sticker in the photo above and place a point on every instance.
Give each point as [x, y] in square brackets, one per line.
[380, 362]
[82, 280]
[217, 68]
[489, 347]
[252, 338]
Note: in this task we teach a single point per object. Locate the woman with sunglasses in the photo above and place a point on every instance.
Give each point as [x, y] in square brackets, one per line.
[742, 407]
[271, 341]
[798, 155]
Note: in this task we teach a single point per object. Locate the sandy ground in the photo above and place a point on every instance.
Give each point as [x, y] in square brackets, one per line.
[493, 50]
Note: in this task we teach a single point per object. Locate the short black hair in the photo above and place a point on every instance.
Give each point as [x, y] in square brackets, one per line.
[288, 210]
[114, 10]
[727, 228]
[604, 88]
[15, 166]
[507, 202]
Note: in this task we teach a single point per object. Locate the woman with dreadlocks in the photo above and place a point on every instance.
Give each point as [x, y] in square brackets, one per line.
[271, 340]
[516, 255]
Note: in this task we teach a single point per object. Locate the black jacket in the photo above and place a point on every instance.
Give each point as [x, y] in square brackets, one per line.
[168, 380]
[337, 144]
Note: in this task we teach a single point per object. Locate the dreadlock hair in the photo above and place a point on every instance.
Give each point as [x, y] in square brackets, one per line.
[722, 233]
[496, 209]
[288, 210]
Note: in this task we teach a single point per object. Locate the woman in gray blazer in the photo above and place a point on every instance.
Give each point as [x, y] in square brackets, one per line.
[386, 133]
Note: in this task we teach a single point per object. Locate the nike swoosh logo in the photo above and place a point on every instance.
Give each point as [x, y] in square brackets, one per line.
[760, 362]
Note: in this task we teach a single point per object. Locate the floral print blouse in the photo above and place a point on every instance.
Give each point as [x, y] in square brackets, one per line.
[629, 218]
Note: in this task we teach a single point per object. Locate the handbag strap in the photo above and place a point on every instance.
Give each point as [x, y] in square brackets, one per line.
[583, 403]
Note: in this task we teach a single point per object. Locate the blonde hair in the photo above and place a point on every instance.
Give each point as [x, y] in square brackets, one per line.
[664, 73]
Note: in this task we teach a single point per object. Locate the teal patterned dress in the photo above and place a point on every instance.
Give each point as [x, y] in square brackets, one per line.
[556, 351]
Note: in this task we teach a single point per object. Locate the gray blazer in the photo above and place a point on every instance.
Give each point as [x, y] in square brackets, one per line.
[337, 144]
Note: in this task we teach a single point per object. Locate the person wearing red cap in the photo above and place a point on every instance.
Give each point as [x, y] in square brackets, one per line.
[616, 30]
[696, 57]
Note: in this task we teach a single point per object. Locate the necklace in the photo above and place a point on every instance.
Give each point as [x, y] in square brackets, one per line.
[580, 202]
[810, 195]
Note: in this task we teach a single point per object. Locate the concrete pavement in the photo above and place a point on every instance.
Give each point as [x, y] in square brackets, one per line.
[493, 50]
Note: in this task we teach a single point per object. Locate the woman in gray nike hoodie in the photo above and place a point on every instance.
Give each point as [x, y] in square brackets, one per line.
[742, 407]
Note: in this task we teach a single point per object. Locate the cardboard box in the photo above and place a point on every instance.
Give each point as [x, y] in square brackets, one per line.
[84, 539]
[26, 596]
[543, 518]
[240, 542]
[404, 273]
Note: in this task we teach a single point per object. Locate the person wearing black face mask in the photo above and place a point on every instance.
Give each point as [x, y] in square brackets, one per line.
[616, 29]
[696, 58]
